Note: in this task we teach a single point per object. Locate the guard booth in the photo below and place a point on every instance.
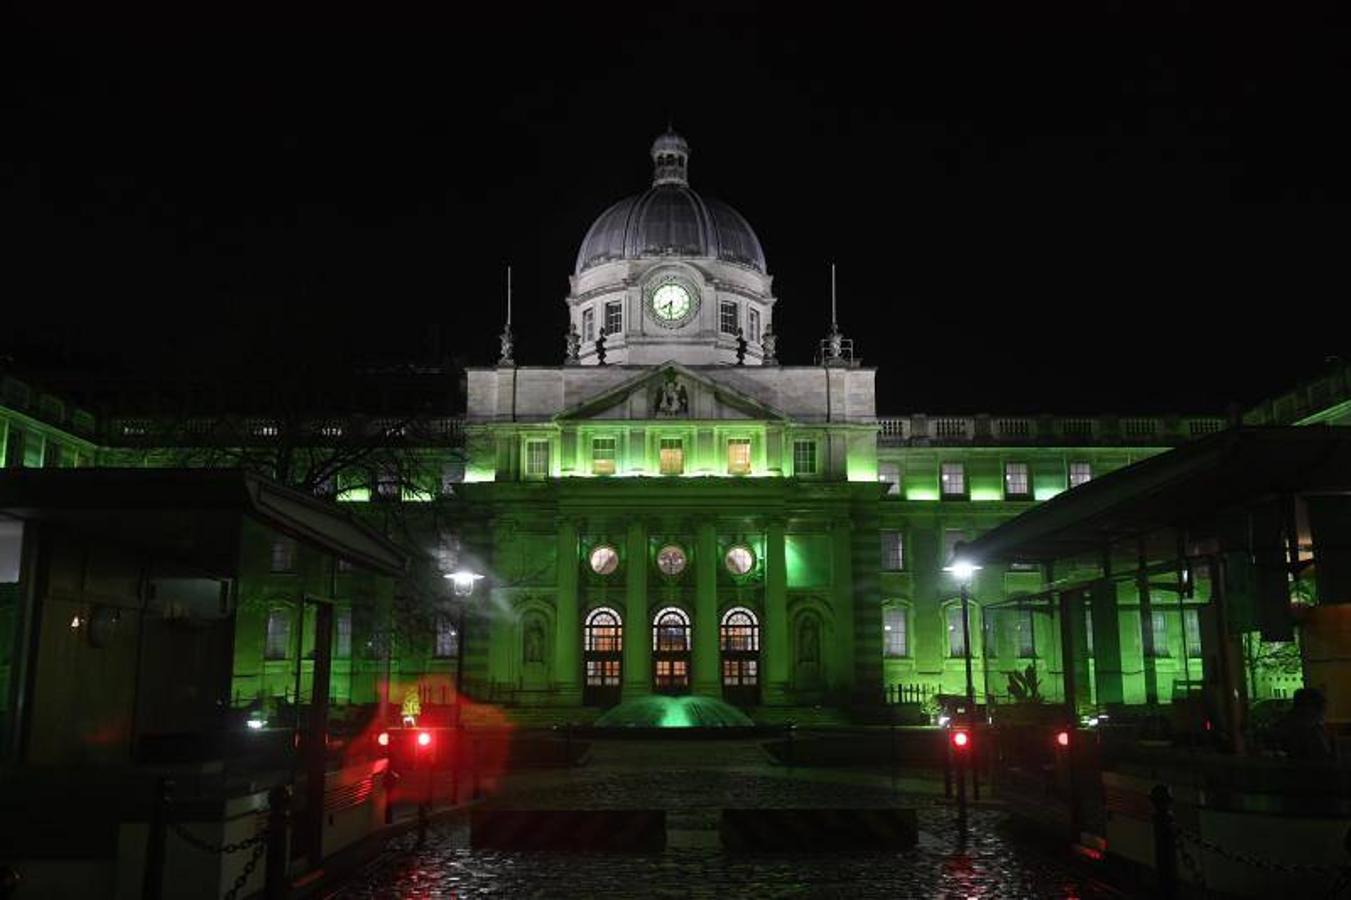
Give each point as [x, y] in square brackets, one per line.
[128, 606]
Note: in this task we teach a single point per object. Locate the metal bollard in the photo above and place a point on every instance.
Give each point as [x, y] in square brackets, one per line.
[975, 767]
[947, 768]
[152, 885]
[278, 837]
[893, 759]
[1165, 841]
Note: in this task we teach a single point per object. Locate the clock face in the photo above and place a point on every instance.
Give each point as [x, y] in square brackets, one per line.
[671, 303]
[671, 560]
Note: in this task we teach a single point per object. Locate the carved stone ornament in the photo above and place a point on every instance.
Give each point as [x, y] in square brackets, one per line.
[671, 399]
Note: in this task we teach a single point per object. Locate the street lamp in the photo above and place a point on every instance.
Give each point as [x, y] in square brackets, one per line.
[963, 569]
[462, 581]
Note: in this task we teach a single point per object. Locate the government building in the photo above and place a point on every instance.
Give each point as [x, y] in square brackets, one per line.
[675, 510]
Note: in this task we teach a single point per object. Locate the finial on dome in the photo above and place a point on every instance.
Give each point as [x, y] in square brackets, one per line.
[836, 349]
[670, 159]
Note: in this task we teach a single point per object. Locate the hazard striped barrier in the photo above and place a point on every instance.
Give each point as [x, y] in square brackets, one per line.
[568, 829]
[811, 830]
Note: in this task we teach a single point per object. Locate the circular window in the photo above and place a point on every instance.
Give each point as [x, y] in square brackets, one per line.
[671, 560]
[604, 559]
[739, 559]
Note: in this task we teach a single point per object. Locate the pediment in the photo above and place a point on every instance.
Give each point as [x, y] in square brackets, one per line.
[670, 391]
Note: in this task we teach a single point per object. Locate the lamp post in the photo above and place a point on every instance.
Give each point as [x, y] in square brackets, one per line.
[462, 581]
[963, 569]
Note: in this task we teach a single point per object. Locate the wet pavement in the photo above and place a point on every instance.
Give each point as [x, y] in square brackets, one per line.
[693, 781]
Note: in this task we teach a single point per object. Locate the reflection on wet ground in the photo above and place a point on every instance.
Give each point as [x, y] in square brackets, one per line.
[693, 781]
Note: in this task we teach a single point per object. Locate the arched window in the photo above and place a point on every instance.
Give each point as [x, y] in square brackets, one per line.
[740, 630]
[671, 631]
[952, 624]
[604, 631]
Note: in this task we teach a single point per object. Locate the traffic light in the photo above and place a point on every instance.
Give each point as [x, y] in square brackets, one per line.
[424, 739]
[961, 740]
[1062, 739]
[382, 739]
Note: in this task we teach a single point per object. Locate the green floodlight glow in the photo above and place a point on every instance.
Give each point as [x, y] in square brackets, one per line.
[921, 494]
[658, 711]
[986, 494]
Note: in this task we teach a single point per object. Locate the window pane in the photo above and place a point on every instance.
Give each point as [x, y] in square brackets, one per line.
[804, 457]
[1191, 629]
[753, 320]
[342, 638]
[727, 319]
[447, 637]
[283, 555]
[951, 538]
[1016, 480]
[614, 317]
[1159, 628]
[953, 480]
[956, 639]
[537, 458]
[890, 475]
[1080, 473]
[603, 456]
[739, 456]
[589, 325]
[894, 637]
[893, 551]
[1026, 633]
[672, 456]
[278, 642]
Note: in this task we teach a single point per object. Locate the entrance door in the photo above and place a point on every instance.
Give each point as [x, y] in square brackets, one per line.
[603, 652]
[671, 651]
[739, 641]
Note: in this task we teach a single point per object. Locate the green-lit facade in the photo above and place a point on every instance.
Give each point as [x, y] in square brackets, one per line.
[672, 510]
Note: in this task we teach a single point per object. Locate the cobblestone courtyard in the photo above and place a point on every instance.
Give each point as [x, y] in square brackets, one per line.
[693, 781]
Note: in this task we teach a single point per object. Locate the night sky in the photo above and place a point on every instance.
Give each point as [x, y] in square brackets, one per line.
[1115, 211]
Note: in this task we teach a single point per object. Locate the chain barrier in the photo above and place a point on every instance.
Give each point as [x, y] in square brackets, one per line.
[258, 842]
[1186, 836]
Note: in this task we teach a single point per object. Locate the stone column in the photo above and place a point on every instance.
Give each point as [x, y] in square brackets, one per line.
[841, 674]
[567, 669]
[637, 628]
[775, 647]
[706, 663]
[1106, 644]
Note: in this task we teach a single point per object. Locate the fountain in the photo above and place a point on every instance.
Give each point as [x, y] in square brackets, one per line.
[659, 711]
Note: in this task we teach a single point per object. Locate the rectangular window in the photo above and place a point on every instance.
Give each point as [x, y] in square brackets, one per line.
[739, 456]
[447, 638]
[387, 483]
[890, 475]
[278, 640]
[753, 321]
[952, 617]
[14, 447]
[1158, 621]
[342, 634]
[672, 456]
[893, 551]
[283, 554]
[589, 325]
[951, 538]
[1191, 630]
[537, 459]
[952, 480]
[727, 317]
[895, 638]
[32, 451]
[614, 317]
[1080, 473]
[1017, 480]
[602, 672]
[804, 457]
[603, 456]
[1026, 637]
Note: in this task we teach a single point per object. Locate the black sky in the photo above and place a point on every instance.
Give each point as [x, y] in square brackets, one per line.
[1084, 211]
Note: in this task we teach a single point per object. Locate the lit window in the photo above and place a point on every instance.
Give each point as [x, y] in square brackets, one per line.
[671, 560]
[447, 638]
[672, 456]
[1158, 626]
[342, 634]
[1026, 635]
[671, 631]
[603, 456]
[283, 555]
[537, 459]
[893, 551]
[739, 560]
[895, 638]
[1017, 481]
[753, 321]
[278, 639]
[604, 632]
[1080, 473]
[739, 456]
[952, 618]
[804, 457]
[727, 317]
[589, 324]
[740, 632]
[890, 475]
[1191, 630]
[614, 317]
[952, 480]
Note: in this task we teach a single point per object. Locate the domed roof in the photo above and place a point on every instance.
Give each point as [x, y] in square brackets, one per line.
[670, 219]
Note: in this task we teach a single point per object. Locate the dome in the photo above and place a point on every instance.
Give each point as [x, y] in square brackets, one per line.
[670, 219]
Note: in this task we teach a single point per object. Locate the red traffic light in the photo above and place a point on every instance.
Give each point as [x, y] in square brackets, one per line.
[1062, 738]
[382, 739]
[424, 738]
[960, 740]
